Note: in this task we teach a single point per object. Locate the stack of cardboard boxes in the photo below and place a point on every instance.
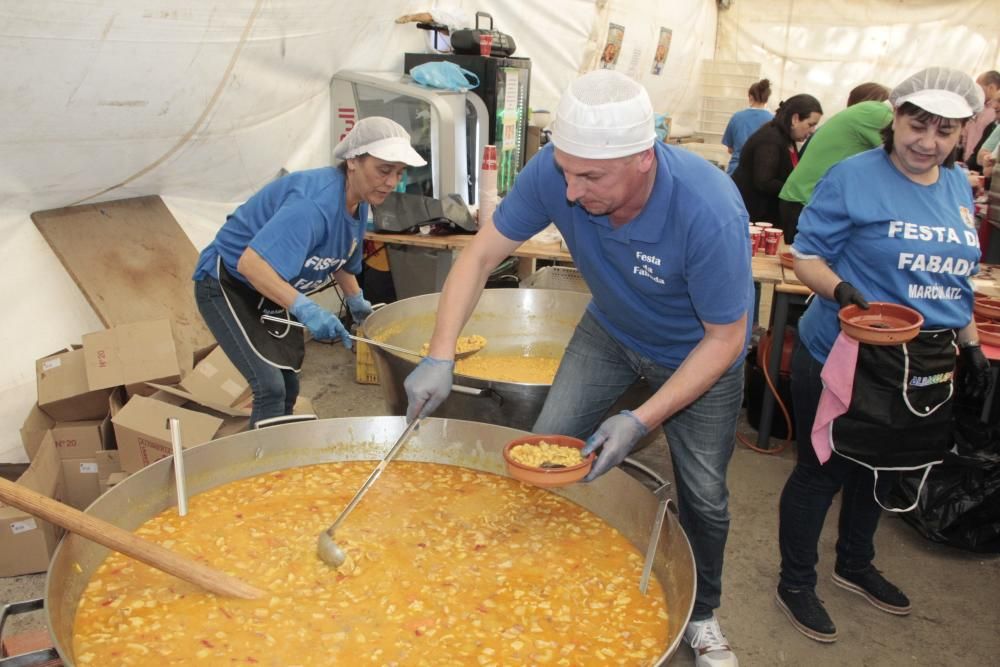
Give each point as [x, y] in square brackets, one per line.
[102, 414]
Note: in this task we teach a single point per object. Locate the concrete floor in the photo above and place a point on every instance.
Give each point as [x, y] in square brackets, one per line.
[954, 593]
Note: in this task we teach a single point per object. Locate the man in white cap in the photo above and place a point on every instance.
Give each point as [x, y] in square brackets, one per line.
[661, 238]
[290, 239]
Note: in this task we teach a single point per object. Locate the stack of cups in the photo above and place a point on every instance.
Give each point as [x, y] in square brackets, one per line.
[756, 239]
[488, 185]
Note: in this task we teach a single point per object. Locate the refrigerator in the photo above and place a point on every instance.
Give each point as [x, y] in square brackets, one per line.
[504, 87]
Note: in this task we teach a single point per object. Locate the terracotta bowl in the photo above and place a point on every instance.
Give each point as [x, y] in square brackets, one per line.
[547, 477]
[989, 333]
[986, 306]
[882, 324]
[787, 259]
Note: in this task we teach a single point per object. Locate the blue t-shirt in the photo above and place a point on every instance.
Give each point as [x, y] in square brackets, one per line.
[299, 224]
[683, 260]
[741, 125]
[893, 239]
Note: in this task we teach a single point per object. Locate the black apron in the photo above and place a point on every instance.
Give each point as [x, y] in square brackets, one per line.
[281, 345]
[900, 417]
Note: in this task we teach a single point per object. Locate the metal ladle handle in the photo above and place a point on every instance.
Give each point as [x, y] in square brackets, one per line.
[372, 477]
[376, 343]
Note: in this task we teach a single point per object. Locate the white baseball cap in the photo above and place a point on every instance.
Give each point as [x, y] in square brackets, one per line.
[382, 137]
[944, 92]
[604, 114]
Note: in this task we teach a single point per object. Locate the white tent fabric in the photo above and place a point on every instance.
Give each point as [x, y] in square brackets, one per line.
[202, 102]
[827, 50]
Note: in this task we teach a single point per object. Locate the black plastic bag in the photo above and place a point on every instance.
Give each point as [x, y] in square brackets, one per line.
[960, 503]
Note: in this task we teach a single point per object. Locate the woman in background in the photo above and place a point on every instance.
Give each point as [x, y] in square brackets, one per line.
[855, 129]
[769, 155]
[744, 123]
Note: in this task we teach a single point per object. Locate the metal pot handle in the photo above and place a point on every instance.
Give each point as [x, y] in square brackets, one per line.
[39, 657]
[283, 419]
[472, 391]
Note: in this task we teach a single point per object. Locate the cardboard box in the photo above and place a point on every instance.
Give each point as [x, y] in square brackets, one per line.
[81, 482]
[132, 354]
[143, 436]
[108, 463]
[63, 392]
[27, 543]
[213, 383]
[75, 439]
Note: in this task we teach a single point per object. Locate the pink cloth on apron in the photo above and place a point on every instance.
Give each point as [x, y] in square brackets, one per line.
[838, 385]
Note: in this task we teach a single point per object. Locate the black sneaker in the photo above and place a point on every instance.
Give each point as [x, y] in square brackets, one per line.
[806, 613]
[872, 586]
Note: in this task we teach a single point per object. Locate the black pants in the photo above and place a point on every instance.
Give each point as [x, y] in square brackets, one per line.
[788, 218]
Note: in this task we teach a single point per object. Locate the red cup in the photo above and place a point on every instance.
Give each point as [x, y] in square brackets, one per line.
[756, 240]
[763, 225]
[489, 157]
[772, 239]
[485, 43]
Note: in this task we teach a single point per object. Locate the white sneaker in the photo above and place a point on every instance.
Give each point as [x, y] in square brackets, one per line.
[710, 646]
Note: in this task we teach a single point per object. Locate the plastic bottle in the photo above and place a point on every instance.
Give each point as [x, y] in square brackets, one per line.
[487, 185]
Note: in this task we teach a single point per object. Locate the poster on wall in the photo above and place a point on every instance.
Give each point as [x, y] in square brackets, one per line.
[613, 47]
[662, 49]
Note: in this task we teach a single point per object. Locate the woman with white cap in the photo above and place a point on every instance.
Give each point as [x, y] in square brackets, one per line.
[292, 238]
[892, 224]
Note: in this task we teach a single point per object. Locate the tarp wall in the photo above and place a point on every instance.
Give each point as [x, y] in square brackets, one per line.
[203, 101]
[827, 49]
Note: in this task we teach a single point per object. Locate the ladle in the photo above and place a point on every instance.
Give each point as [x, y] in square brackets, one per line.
[122, 541]
[385, 346]
[328, 550]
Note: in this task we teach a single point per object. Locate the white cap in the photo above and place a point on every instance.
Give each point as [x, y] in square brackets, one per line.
[944, 92]
[382, 137]
[604, 114]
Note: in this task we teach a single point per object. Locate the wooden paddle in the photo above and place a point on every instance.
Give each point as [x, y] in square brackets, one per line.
[122, 541]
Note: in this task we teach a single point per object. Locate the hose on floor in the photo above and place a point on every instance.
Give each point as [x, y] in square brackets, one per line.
[762, 352]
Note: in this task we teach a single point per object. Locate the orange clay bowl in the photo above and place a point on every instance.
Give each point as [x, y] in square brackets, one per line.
[882, 324]
[989, 333]
[986, 306]
[787, 259]
[548, 478]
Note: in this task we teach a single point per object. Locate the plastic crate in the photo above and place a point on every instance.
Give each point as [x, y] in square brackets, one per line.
[556, 277]
[706, 127]
[730, 90]
[727, 104]
[732, 67]
[733, 80]
[706, 116]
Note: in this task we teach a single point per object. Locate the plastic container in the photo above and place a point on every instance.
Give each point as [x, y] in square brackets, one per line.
[548, 478]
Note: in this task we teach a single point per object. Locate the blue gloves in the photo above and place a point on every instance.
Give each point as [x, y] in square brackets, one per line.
[427, 386]
[321, 323]
[360, 307]
[616, 437]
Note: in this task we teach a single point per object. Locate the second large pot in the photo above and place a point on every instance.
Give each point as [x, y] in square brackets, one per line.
[522, 321]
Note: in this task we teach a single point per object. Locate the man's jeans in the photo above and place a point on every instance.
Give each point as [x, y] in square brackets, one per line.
[811, 487]
[595, 371]
[274, 389]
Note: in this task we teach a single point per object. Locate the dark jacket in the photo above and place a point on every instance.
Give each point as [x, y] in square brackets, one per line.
[765, 163]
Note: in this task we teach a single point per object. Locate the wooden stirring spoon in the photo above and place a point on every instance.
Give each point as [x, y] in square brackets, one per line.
[120, 540]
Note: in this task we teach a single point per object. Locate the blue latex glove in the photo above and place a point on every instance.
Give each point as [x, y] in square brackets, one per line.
[427, 386]
[360, 307]
[616, 437]
[321, 322]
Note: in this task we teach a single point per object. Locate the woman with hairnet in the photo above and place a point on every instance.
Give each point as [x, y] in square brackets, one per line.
[661, 238]
[292, 238]
[892, 224]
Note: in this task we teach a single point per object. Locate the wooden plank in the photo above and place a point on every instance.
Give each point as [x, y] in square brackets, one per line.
[131, 260]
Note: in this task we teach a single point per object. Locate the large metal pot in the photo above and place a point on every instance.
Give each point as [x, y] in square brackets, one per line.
[518, 321]
[616, 497]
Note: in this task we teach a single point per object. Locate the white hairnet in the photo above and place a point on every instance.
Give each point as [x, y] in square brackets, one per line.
[382, 137]
[944, 92]
[604, 114]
